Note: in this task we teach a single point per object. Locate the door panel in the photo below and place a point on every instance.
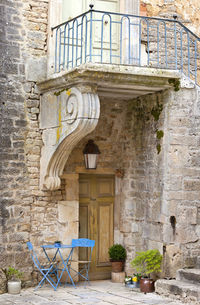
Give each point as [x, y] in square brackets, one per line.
[83, 230]
[96, 220]
[105, 216]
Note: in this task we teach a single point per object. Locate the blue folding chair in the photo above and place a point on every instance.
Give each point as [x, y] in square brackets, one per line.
[85, 265]
[47, 271]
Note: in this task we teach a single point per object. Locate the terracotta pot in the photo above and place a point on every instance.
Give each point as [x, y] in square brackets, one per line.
[117, 266]
[147, 285]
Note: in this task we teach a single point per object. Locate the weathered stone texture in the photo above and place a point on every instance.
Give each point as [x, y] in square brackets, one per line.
[154, 187]
[20, 136]
[187, 11]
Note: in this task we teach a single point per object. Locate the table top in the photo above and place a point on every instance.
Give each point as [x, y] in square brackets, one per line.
[57, 246]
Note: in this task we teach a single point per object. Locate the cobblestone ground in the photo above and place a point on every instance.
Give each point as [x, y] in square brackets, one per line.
[99, 292]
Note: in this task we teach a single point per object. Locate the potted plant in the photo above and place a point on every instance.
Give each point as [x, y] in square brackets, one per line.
[133, 281]
[136, 280]
[117, 254]
[146, 263]
[14, 283]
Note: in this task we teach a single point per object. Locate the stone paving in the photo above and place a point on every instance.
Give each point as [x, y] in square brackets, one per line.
[99, 292]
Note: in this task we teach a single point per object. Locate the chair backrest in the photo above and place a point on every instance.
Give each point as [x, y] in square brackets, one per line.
[33, 255]
[83, 242]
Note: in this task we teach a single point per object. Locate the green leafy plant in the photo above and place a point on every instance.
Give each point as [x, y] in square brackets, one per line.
[137, 277]
[13, 274]
[117, 253]
[147, 262]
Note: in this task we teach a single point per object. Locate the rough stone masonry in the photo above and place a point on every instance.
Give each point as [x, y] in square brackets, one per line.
[158, 197]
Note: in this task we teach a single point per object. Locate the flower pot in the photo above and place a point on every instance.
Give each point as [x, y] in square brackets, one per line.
[147, 285]
[136, 284]
[14, 287]
[117, 266]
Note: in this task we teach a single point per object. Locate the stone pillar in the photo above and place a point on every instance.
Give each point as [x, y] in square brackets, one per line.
[68, 216]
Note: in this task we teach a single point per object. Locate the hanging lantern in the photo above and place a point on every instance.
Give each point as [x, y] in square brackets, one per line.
[91, 152]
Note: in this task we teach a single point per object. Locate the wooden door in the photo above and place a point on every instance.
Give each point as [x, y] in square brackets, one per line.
[96, 221]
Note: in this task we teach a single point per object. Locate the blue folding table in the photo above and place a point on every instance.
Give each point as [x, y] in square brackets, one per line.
[64, 261]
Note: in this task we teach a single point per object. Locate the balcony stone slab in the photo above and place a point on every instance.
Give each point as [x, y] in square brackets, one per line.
[116, 81]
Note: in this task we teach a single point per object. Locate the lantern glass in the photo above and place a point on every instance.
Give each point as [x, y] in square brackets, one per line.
[91, 161]
[91, 152]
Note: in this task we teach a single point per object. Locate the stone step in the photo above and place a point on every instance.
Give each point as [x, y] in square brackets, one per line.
[178, 289]
[188, 275]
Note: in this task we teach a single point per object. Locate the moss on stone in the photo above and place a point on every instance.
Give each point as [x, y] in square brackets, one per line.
[159, 134]
[158, 147]
[156, 111]
[175, 82]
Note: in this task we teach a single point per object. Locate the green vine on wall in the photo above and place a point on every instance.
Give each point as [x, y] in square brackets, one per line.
[156, 112]
[175, 82]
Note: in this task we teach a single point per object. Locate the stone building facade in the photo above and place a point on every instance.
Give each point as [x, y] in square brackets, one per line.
[156, 178]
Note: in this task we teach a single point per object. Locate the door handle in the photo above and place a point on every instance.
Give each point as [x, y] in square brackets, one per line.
[93, 199]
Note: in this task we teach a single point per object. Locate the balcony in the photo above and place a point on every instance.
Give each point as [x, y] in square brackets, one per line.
[124, 42]
[106, 55]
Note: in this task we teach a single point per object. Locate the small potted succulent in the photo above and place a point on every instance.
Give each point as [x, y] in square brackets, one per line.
[146, 263]
[14, 283]
[136, 280]
[133, 281]
[57, 243]
[117, 254]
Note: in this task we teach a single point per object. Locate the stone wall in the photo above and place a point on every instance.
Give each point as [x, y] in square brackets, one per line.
[187, 11]
[155, 186]
[126, 137]
[26, 212]
[180, 201]
[15, 195]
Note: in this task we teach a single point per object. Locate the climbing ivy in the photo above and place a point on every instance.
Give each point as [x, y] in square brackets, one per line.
[159, 134]
[156, 111]
[175, 82]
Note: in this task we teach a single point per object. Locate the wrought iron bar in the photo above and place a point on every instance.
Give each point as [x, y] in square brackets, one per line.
[115, 38]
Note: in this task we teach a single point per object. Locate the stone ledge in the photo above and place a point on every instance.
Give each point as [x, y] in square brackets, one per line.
[119, 81]
[178, 289]
[189, 275]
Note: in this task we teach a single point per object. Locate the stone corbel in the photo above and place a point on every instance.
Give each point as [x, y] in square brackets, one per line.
[65, 119]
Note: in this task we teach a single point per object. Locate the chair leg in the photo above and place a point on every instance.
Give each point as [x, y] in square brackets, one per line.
[46, 276]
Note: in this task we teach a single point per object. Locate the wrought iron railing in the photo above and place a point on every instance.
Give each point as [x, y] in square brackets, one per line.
[114, 38]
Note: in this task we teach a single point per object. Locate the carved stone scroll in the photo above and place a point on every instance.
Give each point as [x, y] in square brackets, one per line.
[65, 119]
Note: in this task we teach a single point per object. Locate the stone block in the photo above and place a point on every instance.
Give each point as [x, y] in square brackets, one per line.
[68, 216]
[72, 187]
[36, 69]
[49, 111]
[187, 215]
[172, 260]
[117, 277]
